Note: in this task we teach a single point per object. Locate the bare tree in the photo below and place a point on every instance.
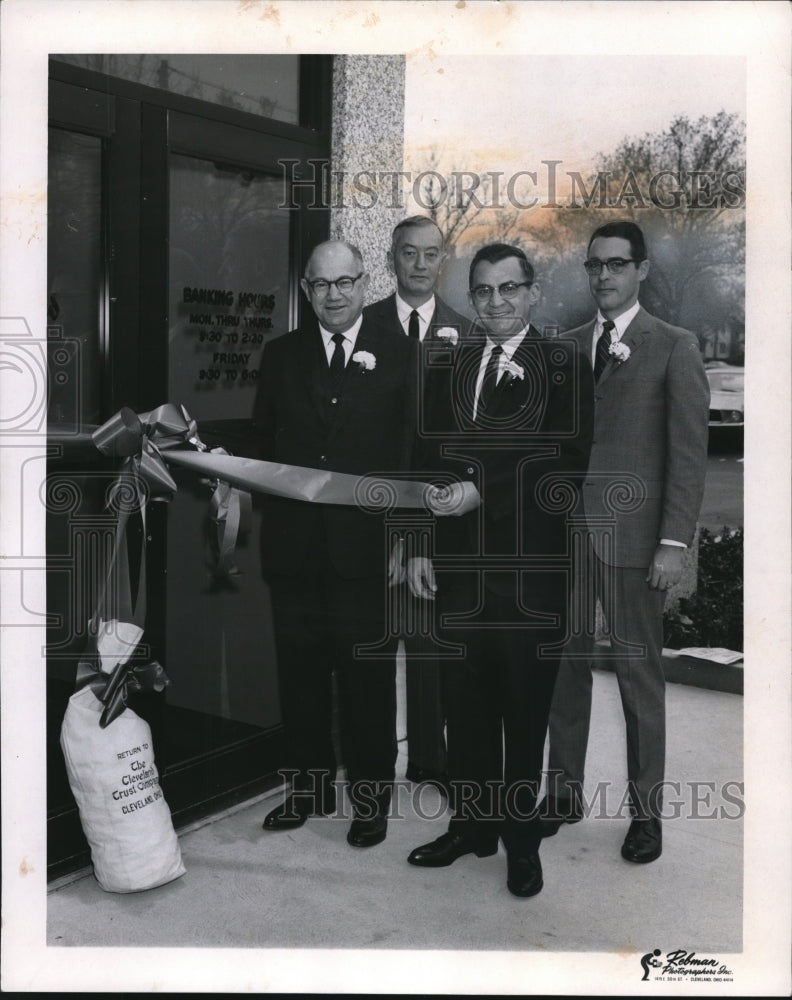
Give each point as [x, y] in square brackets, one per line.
[687, 186]
[453, 199]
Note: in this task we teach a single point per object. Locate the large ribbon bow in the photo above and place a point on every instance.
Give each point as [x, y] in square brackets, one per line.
[104, 667]
[141, 440]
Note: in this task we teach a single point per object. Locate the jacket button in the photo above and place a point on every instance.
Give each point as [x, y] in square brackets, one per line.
[324, 458]
[470, 470]
[334, 399]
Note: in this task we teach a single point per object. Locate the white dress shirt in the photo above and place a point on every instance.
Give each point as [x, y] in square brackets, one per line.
[509, 347]
[620, 328]
[350, 336]
[425, 313]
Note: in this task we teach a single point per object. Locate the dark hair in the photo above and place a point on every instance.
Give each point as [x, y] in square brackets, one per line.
[623, 230]
[495, 252]
[413, 222]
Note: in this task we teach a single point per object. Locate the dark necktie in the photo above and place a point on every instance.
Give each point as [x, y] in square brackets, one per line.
[490, 380]
[337, 362]
[413, 331]
[601, 354]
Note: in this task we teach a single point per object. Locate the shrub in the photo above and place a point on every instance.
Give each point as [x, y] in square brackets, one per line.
[713, 616]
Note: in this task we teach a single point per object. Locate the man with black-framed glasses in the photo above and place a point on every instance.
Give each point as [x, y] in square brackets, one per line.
[515, 416]
[641, 499]
[336, 395]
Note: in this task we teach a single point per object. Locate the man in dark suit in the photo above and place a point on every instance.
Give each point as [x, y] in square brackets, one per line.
[416, 258]
[337, 395]
[641, 501]
[516, 416]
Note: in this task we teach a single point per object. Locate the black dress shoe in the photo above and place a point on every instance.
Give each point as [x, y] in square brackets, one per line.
[368, 832]
[524, 874]
[644, 841]
[446, 849]
[421, 775]
[553, 813]
[294, 811]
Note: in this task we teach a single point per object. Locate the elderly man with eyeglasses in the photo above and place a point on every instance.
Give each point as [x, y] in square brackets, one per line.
[515, 416]
[641, 499]
[336, 395]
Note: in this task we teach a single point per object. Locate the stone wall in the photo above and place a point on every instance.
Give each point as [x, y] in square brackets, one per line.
[368, 135]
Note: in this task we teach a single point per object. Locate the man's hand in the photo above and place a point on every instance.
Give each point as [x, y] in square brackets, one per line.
[454, 500]
[666, 567]
[396, 570]
[421, 578]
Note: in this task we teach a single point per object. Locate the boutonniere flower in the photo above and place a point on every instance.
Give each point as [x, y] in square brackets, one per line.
[619, 352]
[365, 359]
[449, 334]
[512, 370]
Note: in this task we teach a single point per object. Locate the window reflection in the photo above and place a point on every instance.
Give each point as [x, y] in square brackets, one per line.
[266, 85]
[74, 269]
[228, 283]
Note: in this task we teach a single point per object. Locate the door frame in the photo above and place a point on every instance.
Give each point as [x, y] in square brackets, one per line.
[140, 127]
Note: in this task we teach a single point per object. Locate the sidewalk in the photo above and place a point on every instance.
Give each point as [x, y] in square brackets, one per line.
[245, 888]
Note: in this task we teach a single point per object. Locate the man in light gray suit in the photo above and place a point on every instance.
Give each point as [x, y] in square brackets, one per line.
[641, 500]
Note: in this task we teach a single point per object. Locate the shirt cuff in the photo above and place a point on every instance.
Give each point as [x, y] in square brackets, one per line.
[670, 541]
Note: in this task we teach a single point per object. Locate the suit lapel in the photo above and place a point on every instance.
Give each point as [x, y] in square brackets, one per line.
[466, 366]
[391, 315]
[635, 334]
[511, 388]
[312, 365]
[441, 318]
[353, 376]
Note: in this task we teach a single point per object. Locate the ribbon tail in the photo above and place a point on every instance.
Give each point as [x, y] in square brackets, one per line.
[116, 682]
[114, 707]
[231, 510]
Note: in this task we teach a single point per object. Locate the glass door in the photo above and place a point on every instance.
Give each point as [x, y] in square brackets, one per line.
[229, 291]
[174, 255]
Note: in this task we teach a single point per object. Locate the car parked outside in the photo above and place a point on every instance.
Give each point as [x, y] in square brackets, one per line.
[727, 394]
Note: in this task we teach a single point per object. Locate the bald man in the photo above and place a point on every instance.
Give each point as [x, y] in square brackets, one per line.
[336, 394]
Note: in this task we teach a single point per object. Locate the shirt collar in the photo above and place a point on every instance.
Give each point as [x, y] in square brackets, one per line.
[620, 323]
[425, 311]
[351, 334]
[509, 346]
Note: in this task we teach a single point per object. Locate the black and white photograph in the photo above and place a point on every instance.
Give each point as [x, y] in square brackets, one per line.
[394, 594]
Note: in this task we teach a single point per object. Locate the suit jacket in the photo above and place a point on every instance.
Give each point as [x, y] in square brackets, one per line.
[436, 352]
[384, 313]
[537, 433]
[370, 430]
[650, 435]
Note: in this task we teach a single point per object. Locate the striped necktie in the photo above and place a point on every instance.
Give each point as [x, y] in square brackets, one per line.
[490, 380]
[601, 355]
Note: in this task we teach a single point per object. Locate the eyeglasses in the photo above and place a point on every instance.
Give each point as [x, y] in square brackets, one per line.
[321, 286]
[483, 293]
[615, 265]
